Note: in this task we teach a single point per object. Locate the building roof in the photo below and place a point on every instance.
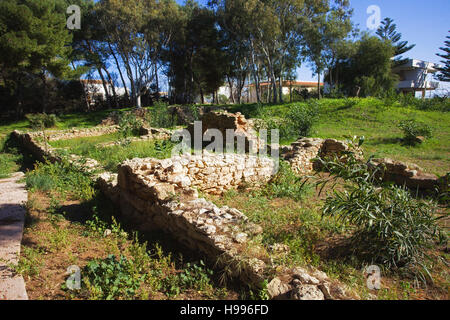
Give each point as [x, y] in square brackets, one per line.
[412, 64]
[288, 83]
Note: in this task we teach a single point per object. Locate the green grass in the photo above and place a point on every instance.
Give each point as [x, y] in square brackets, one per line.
[378, 122]
[10, 158]
[111, 157]
[85, 141]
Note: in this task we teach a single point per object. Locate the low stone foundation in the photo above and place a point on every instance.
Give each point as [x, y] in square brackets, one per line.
[207, 172]
[302, 154]
[404, 174]
[55, 135]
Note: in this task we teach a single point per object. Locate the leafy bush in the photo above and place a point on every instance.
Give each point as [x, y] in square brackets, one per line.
[129, 124]
[194, 276]
[160, 117]
[393, 228]
[413, 129]
[302, 117]
[41, 120]
[295, 123]
[433, 104]
[110, 278]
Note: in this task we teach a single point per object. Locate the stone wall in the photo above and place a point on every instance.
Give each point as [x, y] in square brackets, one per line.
[54, 135]
[224, 121]
[152, 197]
[302, 154]
[207, 172]
[404, 174]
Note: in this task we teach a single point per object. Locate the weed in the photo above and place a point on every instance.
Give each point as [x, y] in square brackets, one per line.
[62, 177]
[109, 278]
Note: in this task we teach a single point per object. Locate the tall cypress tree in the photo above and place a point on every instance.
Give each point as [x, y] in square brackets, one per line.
[444, 72]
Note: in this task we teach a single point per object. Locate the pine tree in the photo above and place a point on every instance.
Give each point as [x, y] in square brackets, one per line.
[387, 31]
[444, 72]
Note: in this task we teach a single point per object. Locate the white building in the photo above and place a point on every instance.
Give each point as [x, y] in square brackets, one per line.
[416, 76]
[95, 90]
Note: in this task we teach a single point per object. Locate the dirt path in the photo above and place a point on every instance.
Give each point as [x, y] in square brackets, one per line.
[12, 215]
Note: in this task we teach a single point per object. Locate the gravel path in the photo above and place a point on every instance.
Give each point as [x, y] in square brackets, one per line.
[13, 196]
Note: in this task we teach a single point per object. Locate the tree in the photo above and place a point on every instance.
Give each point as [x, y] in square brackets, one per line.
[444, 72]
[34, 41]
[387, 31]
[195, 58]
[327, 27]
[368, 71]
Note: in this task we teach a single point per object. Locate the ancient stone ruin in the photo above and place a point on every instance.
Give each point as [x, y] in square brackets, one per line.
[223, 121]
[404, 174]
[164, 194]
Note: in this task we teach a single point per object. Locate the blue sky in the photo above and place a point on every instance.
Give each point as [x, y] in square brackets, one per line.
[424, 23]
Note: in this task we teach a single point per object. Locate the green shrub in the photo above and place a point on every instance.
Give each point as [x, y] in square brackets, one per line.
[196, 276]
[433, 104]
[296, 122]
[413, 129]
[41, 120]
[392, 227]
[160, 117]
[302, 117]
[129, 124]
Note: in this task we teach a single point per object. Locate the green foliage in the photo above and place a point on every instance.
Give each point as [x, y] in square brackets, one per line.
[61, 177]
[129, 124]
[10, 157]
[444, 71]
[286, 184]
[261, 294]
[413, 129]
[392, 227]
[367, 72]
[160, 117]
[296, 122]
[194, 276]
[301, 118]
[387, 31]
[41, 120]
[110, 278]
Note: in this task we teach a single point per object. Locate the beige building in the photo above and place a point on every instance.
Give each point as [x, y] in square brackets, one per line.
[289, 87]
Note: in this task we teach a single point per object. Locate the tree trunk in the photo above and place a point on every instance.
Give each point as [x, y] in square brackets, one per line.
[157, 80]
[120, 71]
[44, 92]
[230, 83]
[281, 89]
[105, 87]
[318, 86]
[113, 88]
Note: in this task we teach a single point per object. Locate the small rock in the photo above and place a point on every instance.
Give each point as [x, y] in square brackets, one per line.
[302, 275]
[240, 237]
[307, 292]
[107, 232]
[277, 289]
